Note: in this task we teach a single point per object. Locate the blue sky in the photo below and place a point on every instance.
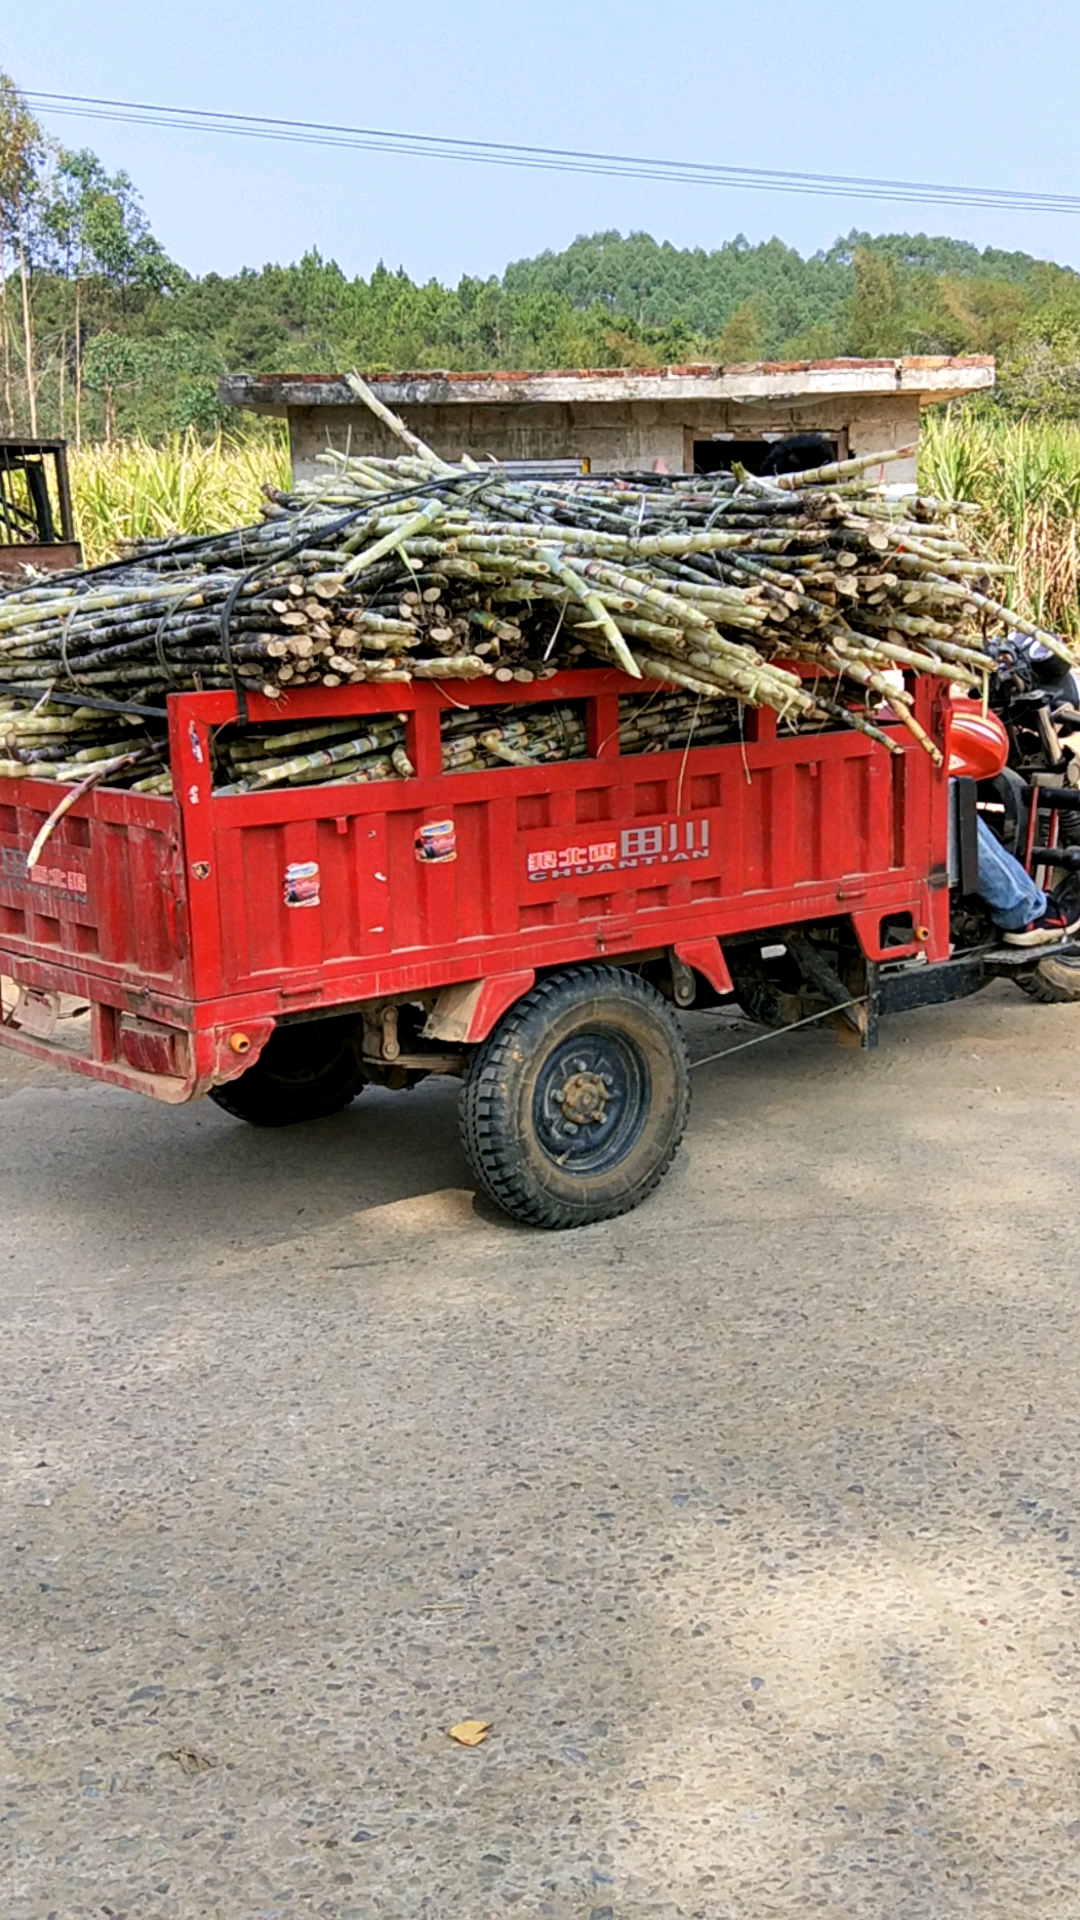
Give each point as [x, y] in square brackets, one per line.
[980, 95]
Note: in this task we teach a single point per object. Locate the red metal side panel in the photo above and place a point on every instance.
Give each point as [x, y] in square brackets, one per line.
[344, 892]
[105, 894]
[253, 904]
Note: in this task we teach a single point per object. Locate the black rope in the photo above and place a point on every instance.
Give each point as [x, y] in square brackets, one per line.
[64, 638]
[163, 660]
[245, 579]
[97, 701]
[374, 503]
[238, 687]
[194, 542]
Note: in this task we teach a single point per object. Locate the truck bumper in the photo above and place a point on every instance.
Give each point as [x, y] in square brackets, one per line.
[165, 1058]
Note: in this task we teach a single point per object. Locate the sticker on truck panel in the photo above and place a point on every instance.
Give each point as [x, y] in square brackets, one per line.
[436, 842]
[302, 883]
[67, 880]
[653, 846]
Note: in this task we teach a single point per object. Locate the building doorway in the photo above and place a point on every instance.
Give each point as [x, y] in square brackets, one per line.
[721, 452]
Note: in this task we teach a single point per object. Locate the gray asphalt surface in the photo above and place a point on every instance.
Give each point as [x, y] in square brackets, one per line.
[749, 1521]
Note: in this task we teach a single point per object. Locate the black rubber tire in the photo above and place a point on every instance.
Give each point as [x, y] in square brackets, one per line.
[585, 1024]
[304, 1072]
[1054, 982]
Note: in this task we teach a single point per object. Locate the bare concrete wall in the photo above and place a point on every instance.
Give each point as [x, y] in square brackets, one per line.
[624, 435]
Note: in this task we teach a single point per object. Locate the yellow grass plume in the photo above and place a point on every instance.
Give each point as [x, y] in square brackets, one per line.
[1026, 477]
[133, 490]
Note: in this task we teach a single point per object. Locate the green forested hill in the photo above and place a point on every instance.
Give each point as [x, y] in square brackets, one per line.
[113, 336]
[791, 299]
[610, 300]
[654, 284]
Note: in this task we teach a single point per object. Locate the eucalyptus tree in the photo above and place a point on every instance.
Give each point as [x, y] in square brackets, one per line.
[23, 156]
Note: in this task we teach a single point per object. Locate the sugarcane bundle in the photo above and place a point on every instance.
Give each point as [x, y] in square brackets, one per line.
[813, 594]
[354, 750]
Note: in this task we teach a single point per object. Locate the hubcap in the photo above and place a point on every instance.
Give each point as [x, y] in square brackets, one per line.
[591, 1100]
[583, 1097]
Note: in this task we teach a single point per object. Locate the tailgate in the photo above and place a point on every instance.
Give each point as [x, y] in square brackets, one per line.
[106, 896]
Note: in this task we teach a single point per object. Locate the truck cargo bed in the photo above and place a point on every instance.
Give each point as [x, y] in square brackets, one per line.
[179, 919]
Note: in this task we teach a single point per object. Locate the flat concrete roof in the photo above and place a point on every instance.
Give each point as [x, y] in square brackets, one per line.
[931, 376]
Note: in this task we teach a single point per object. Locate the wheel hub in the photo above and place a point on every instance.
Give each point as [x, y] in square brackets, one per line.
[583, 1098]
[590, 1100]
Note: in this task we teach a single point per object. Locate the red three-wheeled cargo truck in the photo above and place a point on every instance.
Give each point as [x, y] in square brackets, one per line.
[534, 930]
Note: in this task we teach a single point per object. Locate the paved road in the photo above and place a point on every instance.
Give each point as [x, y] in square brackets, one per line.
[749, 1521]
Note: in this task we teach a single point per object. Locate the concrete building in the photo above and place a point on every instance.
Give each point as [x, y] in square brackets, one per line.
[695, 418]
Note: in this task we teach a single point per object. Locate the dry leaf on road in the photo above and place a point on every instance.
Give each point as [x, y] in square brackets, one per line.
[469, 1733]
[190, 1760]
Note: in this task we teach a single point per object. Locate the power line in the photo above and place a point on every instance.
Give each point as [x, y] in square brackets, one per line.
[548, 159]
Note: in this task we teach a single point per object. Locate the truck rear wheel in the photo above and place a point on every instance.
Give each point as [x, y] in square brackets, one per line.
[575, 1104]
[304, 1072]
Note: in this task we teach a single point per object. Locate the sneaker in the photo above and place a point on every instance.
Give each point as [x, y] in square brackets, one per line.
[1049, 928]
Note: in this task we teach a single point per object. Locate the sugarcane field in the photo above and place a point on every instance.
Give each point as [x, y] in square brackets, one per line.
[539, 966]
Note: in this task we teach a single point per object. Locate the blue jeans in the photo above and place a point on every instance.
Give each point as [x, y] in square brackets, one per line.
[1011, 895]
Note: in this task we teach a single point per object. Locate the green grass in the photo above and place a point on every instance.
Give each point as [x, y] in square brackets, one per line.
[133, 490]
[1026, 477]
